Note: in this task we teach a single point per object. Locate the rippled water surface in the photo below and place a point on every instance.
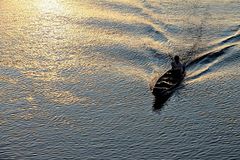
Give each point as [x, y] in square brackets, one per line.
[75, 79]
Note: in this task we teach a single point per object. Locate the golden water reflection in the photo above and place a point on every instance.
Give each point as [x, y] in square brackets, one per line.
[48, 38]
[49, 6]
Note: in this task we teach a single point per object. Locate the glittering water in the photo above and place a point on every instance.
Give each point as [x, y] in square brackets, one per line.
[75, 79]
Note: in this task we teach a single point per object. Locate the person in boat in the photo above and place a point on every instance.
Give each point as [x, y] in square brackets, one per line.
[177, 67]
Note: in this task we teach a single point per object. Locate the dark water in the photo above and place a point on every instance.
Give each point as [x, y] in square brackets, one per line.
[75, 79]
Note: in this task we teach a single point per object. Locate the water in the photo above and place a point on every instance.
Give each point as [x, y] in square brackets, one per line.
[75, 79]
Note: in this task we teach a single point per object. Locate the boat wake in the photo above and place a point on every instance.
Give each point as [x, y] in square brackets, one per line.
[211, 61]
[206, 63]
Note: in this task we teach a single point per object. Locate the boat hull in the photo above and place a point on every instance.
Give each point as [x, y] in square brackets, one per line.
[165, 86]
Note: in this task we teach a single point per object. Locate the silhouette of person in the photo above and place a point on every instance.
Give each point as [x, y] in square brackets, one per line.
[177, 67]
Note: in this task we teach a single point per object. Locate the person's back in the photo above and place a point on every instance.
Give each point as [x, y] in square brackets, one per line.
[177, 66]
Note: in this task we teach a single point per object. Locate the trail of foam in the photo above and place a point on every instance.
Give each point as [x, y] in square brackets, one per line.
[209, 56]
[211, 62]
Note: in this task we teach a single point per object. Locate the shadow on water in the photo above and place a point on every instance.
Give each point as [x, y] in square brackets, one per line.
[159, 102]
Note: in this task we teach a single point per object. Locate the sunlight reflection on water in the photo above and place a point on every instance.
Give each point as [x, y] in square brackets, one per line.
[75, 77]
[49, 6]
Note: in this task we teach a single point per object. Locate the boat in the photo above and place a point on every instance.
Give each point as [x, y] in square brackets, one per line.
[165, 86]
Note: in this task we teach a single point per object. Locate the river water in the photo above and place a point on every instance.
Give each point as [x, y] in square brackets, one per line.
[75, 79]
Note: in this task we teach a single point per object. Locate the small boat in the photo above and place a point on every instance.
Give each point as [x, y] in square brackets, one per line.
[167, 83]
[165, 86]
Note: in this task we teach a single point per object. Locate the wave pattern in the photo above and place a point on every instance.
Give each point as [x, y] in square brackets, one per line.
[75, 76]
